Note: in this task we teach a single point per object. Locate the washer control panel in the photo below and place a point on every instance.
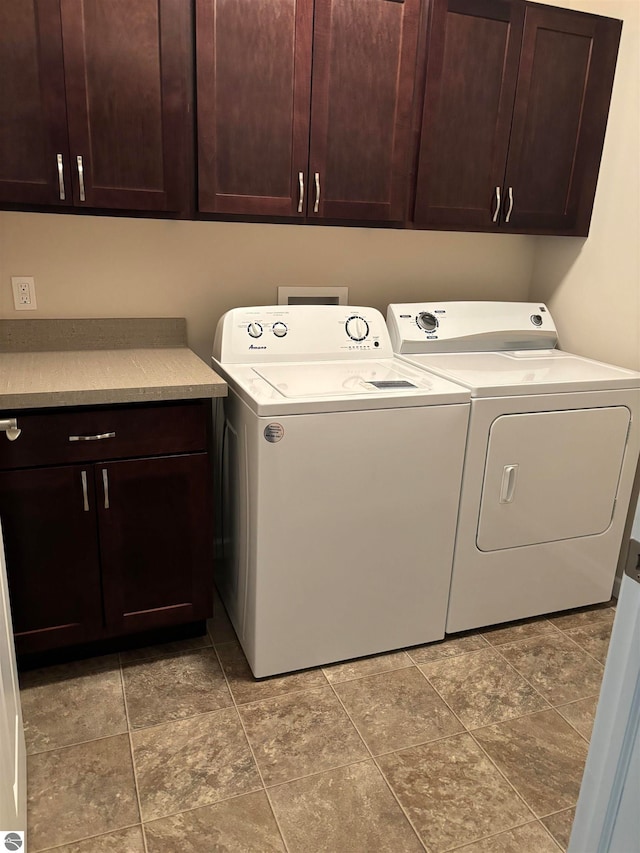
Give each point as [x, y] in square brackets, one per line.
[470, 326]
[301, 333]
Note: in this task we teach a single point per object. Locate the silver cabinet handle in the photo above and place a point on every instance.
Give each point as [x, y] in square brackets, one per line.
[85, 495]
[60, 177]
[98, 437]
[105, 486]
[496, 212]
[301, 192]
[9, 426]
[510, 208]
[81, 177]
[317, 201]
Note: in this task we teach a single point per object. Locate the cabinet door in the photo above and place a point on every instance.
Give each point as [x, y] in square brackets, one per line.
[34, 151]
[156, 541]
[254, 79]
[472, 67]
[50, 534]
[128, 96]
[364, 56]
[561, 106]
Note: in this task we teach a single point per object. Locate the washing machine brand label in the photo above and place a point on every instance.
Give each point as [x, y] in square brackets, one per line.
[273, 432]
[252, 346]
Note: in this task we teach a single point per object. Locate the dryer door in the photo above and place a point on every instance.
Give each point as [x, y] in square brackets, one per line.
[551, 476]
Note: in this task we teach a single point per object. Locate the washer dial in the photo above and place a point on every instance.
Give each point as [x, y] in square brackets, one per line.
[254, 330]
[536, 319]
[279, 330]
[357, 328]
[427, 321]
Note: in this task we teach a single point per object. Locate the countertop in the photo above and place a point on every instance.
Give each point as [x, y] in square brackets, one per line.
[70, 373]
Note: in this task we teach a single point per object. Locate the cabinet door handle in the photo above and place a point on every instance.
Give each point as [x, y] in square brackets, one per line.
[496, 212]
[317, 201]
[9, 426]
[510, 208]
[85, 494]
[60, 177]
[98, 437]
[81, 177]
[105, 486]
[301, 192]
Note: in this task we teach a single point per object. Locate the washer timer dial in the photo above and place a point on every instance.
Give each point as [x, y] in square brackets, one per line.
[279, 330]
[357, 328]
[254, 330]
[427, 321]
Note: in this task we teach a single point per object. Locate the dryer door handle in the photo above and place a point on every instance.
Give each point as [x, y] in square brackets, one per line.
[508, 487]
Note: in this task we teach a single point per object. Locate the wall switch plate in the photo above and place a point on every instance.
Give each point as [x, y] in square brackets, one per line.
[24, 292]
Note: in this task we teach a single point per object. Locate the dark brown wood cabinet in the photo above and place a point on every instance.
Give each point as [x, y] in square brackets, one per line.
[95, 103]
[304, 109]
[118, 541]
[515, 111]
[52, 555]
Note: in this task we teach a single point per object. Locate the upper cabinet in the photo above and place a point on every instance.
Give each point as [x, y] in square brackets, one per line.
[304, 110]
[95, 103]
[515, 111]
[456, 114]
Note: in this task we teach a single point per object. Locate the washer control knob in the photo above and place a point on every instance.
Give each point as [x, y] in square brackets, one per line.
[357, 328]
[254, 329]
[427, 321]
[536, 319]
[279, 330]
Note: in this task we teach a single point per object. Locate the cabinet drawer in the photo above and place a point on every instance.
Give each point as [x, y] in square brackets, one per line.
[106, 432]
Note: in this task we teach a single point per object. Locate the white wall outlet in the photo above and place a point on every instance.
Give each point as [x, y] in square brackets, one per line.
[24, 292]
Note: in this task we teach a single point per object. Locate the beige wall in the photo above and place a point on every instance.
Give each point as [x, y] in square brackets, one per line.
[593, 286]
[87, 266]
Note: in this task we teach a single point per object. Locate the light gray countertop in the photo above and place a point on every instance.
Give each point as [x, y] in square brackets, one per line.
[69, 376]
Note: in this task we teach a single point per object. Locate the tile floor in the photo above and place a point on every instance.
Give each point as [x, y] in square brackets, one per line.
[474, 744]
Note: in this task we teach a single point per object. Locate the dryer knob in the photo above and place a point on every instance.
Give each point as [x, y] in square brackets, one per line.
[279, 330]
[536, 319]
[357, 328]
[427, 321]
[254, 329]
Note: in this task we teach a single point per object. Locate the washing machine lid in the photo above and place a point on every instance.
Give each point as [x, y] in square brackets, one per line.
[498, 374]
[307, 387]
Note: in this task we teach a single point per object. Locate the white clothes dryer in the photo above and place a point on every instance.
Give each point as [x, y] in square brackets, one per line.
[551, 454]
[340, 468]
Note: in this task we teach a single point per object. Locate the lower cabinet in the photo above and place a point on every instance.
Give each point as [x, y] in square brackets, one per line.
[108, 546]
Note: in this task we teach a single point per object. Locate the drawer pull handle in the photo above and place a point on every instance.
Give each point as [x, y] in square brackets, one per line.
[98, 437]
[10, 428]
[85, 495]
[105, 486]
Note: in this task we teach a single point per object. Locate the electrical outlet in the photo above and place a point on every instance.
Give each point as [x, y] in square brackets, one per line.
[24, 292]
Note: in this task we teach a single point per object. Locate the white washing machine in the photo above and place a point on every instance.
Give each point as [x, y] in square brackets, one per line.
[551, 453]
[340, 471]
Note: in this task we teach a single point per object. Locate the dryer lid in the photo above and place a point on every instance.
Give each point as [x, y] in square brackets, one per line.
[490, 374]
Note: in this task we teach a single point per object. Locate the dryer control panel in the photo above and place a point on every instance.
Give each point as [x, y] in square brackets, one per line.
[428, 327]
[268, 333]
